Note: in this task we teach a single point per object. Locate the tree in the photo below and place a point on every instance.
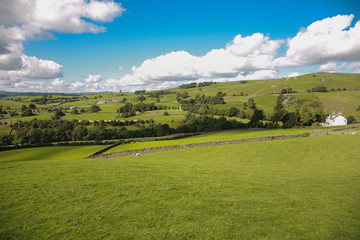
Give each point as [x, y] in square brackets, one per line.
[305, 115]
[256, 117]
[94, 108]
[233, 111]
[74, 111]
[32, 106]
[251, 103]
[58, 115]
[35, 135]
[80, 133]
[166, 113]
[279, 109]
[289, 120]
[351, 120]
[141, 98]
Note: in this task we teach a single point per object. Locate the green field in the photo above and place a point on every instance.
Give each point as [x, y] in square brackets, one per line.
[303, 188]
[213, 137]
[48, 153]
[264, 93]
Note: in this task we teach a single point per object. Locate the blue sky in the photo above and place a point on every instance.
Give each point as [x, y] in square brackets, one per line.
[161, 31]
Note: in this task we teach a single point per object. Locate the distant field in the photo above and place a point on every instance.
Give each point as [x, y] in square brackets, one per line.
[173, 119]
[274, 86]
[91, 116]
[48, 153]
[39, 116]
[346, 102]
[212, 137]
[304, 188]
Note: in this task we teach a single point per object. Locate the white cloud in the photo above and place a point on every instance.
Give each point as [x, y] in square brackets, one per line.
[23, 20]
[331, 66]
[331, 39]
[248, 57]
[33, 68]
[294, 74]
[93, 78]
[354, 65]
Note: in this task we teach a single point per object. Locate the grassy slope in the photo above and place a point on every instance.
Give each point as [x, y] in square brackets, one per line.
[48, 153]
[213, 137]
[261, 91]
[274, 86]
[220, 192]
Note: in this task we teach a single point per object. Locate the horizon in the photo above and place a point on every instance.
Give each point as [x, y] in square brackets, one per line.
[107, 46]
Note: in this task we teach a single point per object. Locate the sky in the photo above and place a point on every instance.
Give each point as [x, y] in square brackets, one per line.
[128, 45]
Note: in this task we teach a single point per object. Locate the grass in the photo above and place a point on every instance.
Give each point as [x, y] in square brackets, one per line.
[48, 153]
[244, 191]
[91, 116]
[39, 116]
[4, 129]
[213, 137]
[173, 119]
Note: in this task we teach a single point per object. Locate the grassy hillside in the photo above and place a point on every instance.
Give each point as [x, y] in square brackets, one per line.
[343, 95]
[300, 84]
[213, 137]
[48, 153]
[219, 192]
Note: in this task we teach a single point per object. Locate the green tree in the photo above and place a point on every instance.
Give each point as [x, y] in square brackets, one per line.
[32, 106]
[305, 115]
[94, 108]
[233, 111]
[58, 115]
[256, 117]
[251, 103]
[141, 98]
[279, 109]
[80, 133]
[351, 120]
[74, 111]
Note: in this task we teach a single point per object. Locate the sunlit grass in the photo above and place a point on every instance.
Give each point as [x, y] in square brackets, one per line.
[304, 188]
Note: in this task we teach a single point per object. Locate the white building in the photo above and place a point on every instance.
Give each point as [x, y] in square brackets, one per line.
[335, 120]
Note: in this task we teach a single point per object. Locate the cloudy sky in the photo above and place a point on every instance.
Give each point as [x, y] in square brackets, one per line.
[106, 45]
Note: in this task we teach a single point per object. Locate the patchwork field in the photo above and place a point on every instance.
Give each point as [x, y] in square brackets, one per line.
[303, 188]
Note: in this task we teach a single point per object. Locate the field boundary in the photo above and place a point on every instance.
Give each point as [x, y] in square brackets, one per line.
[216, 143]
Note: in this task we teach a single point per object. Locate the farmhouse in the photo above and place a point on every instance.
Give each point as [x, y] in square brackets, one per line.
[335, 120]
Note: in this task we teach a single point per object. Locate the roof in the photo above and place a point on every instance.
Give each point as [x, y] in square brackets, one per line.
[333, 116]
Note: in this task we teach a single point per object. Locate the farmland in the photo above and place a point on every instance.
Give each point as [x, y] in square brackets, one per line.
[342, 95]
[257, 190]
[298, 188]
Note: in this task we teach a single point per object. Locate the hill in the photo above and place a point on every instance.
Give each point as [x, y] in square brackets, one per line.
[218, 192]
[322, 93]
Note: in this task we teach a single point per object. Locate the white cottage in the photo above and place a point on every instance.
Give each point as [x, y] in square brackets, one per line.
[335, 120]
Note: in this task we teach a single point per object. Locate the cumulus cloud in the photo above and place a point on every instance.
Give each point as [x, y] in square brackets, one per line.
[294, 74]
[93, 78]
[354, 65]
[248, 57]
[331, 39]
[23, 20]
[331, 66]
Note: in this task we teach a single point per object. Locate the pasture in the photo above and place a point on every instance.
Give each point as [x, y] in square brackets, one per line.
[213, 137]
[303, 188]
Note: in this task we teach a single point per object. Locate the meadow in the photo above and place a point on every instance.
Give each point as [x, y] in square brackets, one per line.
[213, 137]
[303, 188]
